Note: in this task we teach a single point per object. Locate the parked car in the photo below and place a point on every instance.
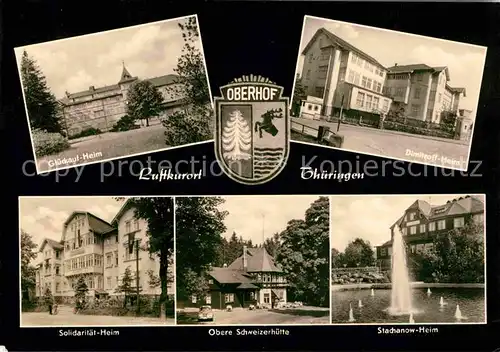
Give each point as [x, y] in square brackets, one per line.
[205, 314]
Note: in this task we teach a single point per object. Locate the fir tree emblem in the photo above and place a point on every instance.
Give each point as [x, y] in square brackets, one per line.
[237, 137]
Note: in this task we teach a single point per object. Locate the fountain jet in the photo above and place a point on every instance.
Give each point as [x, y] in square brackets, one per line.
[429, 292]
[401, 300]
[458, 313]
[411, 320]
[351, 314]
[442, 303]
[360, 304]
[372, 293]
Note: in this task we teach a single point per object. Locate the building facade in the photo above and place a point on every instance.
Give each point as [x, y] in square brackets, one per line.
[422, 91]
[100, 252]
[343, 76]
[421, 222]
[100, 108]
[253, 278]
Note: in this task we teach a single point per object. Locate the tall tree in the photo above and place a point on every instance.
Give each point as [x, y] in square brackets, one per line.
[28, 254]
[304, 254]
[336, 259]
[358, 253]
[126, 285]
[272, 244]
[299, 92]
[457, 256]
[159, 214]
[195, 124]
[144, 101]
[199, 229]
[41, 104]
[81, 290]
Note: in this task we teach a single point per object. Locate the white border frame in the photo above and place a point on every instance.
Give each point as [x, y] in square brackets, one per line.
[416, 325]
[416, 136]
[38, 172]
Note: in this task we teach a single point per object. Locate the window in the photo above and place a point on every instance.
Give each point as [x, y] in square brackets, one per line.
[415, 109]
[412, 216]
[360, 62]
[429, 114]
[116, 238]
[210, 281]
[404, 231]
[310, 58]
[354, 58]
[386, 105]
[316, 107]
[325, 54]
[478, 218]
[413, 230]
[416, 94]
[319, 91]
[116, 258]
[376, 101]
[383, 252]
[267, 298]
[350, 78]
[360, 100]
[367, 65]
[309, 107]
[99, 113]
[208, 299]
[108, 282]
[323, 68]
[229, 298]
[356, 78]
[109, 259]
[127, 226]
[420, 77]
[439, 98]
[377, 87]
[369, 101]
[441, 224]
[320, 42]
[369, 83]
[136, 224]
[400, 92]
[57, 287]
[308, 74]
[57, 270]
[458, 222]
[58, 255]
[363, 81]
[422, 228]
[193, 299]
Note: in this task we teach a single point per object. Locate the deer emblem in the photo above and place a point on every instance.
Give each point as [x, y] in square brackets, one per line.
[267, 124]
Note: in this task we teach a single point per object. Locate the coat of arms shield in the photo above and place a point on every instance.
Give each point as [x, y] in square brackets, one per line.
[252, 134]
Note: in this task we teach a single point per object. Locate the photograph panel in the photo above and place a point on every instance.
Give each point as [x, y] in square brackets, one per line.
[386, 93]
[253, 260]
[116, 94]
[96, 261]
[404, 259]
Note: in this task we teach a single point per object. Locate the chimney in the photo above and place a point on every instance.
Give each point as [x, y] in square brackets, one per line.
[91, 88]
[396, 64]
[245, 263]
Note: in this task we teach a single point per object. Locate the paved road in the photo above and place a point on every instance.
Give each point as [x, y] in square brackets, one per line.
[395, 145]
[265, 317]
[65, 317]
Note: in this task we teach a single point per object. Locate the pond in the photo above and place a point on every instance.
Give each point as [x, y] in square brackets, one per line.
[427, 307]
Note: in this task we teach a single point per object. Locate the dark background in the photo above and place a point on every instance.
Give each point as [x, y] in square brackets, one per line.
[242, 38]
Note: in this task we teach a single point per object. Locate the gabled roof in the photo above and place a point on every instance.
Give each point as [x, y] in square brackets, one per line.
[419, 67]
[125, 206]
[96, 224]
[51, 243]
[258, 260]
[459, 90]
[336, 40]
[229, 276]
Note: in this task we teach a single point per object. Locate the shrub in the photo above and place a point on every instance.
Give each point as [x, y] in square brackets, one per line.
[190, 126]
[48, 143]
[126, 123]
[87, 132]
[390, 125]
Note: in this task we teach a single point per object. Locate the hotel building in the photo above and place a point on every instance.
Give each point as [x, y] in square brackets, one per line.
[422, 91]
[343, 76]
[253, 278]
[421, 222]
[100, 252]
[100, 108]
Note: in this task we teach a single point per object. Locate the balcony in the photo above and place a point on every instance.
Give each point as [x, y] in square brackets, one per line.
[87, 270]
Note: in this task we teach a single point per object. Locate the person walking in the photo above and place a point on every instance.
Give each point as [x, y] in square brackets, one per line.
[50, 304]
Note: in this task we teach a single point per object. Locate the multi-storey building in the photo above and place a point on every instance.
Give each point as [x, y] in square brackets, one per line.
[100, 252]
[253, 278]
[102, 107]
[343, 76]
[421, 222]
[422, 91]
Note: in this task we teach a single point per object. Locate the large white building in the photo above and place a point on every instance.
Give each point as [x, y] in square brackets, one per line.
[100, 252]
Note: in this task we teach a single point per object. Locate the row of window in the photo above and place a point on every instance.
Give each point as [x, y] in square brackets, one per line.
[109, 258]
[85, 261]
[412, 248]
[370, 102]
[365, 82]
[356, 59]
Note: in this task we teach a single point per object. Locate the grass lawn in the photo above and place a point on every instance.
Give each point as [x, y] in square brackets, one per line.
[109, 146]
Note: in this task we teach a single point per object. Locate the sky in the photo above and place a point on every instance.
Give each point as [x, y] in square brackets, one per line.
[245, 214]
[75, 64]
[44, 217]
[465, 62]
[370, 217]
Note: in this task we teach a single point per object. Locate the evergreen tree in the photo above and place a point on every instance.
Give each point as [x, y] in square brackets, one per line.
[81, 290]
[125, 286]
[28, 253]
[40, 102]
